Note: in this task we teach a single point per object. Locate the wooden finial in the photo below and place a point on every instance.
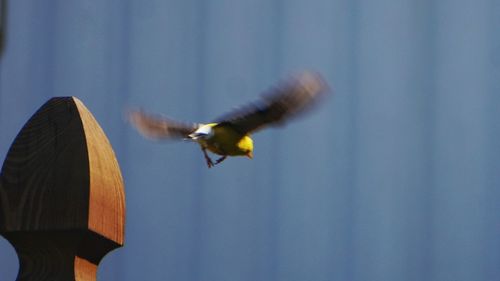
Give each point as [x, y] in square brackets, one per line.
[62, 201]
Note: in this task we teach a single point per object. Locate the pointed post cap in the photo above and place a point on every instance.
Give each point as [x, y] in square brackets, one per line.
[62, 199]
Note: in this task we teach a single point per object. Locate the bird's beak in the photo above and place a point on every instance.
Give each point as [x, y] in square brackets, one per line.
[250, 155]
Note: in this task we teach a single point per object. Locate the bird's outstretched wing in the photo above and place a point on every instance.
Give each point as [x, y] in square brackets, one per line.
[159, 127]
[283, 102]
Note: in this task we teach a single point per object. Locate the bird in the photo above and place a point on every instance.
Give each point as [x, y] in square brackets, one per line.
[230, 134]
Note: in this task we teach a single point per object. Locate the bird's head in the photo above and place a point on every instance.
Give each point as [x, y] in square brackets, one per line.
[246, 146]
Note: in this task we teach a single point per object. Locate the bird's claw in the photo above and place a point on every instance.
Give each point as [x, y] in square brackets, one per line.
[220, 160]
[210, 163]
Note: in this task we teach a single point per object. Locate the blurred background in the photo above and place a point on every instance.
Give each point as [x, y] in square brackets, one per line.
[395, 177]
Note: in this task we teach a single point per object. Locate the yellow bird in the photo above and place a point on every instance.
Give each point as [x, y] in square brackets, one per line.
[230, 134]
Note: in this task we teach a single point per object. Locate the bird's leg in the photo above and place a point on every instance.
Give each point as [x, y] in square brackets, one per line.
[210, 163]
[220, 159]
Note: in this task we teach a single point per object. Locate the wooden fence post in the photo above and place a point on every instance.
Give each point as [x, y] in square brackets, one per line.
[62, 202]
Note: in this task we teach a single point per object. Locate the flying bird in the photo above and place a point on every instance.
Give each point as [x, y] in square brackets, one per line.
[229, 135]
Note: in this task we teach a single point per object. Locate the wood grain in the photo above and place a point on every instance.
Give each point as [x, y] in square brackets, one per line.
[62, 203]
[107, 198]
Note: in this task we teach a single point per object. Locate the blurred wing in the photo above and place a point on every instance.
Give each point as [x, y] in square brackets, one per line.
[159, 127]
[283, 102]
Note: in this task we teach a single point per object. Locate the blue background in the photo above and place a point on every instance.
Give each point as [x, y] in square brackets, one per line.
[395, 177]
